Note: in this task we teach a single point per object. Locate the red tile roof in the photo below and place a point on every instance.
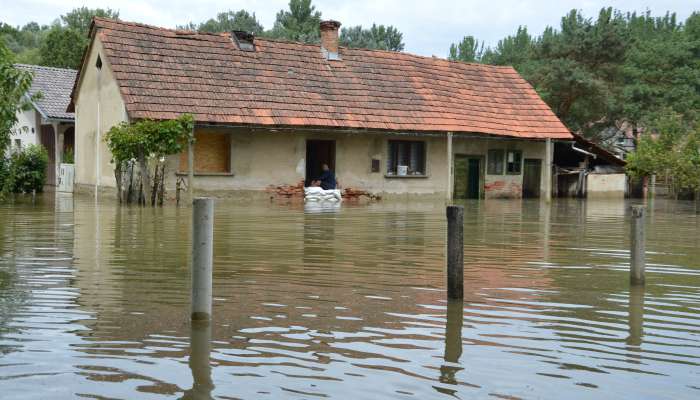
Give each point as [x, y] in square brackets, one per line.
[163, 73]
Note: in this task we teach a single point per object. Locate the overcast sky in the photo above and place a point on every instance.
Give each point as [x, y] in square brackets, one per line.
[428, 26]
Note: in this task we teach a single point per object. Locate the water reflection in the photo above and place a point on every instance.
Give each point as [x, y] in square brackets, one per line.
[636, 315]
[348, 304]
[200, 350]
[453, 344]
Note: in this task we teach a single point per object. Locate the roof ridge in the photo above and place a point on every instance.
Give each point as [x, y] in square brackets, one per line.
[34, 66]
[279, 40]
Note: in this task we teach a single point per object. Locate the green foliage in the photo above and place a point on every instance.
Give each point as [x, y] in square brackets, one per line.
[153, 139]
[596, 73]
[378, 37]
[63, 48]
[59, 45]
[68, 156]
[300, 23]
[671, 150]
[26, 170]
[468, 50]
[228, 21]
[14, 84]
[80, 19]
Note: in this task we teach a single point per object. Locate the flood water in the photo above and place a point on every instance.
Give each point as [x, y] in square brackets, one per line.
[349, 303]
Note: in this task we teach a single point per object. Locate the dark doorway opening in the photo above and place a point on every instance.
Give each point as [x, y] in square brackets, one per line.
[48, 140]
[318, 152]
[69, 140]
[467, 177]
[532, 173]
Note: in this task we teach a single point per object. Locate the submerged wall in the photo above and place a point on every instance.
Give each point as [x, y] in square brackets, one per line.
[606, 185]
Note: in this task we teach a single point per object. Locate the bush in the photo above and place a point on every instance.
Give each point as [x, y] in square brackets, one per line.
[27, 170]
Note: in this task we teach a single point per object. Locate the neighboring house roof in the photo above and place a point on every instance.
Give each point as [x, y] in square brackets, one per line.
[162, 73]
[55, 86]
[598, 150]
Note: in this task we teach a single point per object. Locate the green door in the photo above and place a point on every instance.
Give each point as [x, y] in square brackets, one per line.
[467, 177]
[531, 178]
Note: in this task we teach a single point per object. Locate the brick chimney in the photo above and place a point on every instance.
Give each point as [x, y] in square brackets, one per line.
[329, 39]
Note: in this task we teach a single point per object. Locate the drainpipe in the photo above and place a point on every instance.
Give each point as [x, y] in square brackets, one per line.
[582, 151]
[98, 160]
[448, 194]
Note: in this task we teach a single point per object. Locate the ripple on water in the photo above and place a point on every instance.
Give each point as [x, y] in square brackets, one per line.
[94, 303]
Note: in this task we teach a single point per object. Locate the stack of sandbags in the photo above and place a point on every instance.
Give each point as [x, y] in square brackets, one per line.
[318, 194]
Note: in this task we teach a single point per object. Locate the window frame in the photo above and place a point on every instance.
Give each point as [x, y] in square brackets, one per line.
[502, 168]
[393, 157]
[520, 163]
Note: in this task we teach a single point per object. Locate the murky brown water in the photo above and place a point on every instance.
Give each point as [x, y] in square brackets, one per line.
[94, 303]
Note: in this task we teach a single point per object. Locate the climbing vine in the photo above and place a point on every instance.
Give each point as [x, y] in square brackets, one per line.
[144, 145]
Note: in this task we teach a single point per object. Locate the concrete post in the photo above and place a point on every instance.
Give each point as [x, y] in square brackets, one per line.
[202, 257]
[200, 352]
[455, 252]
[549, 154]
[637, 246]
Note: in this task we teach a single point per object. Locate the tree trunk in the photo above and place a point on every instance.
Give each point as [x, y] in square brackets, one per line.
[145, 177]
[118, 174]
[161, 192]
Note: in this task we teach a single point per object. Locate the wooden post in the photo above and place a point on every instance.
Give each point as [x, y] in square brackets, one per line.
[637, 246]
[453, 341]
[549, 153]
[455, 252]
[190, 169]
[202, 257]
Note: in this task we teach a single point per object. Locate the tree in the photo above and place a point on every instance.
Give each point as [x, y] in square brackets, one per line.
[14, 84]
[378, 37]
[146, 142]
[515, 50]
[63, 48]
[228, 21]
[468, 50]
[300, 23]
[662, 68]
[81, 18]
[670, 149]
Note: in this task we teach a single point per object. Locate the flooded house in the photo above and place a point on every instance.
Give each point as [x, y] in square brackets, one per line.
[271, 112]
[46, 122]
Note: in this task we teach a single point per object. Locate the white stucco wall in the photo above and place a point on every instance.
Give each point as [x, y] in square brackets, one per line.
[27, 128]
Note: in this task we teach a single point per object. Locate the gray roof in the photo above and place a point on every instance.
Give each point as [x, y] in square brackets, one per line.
[55, 86]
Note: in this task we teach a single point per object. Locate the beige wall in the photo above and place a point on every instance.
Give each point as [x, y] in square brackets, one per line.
[606, 185]
[503, 185]
[261, 158]
[97, 91]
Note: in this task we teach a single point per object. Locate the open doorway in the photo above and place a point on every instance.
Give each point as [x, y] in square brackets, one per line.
[532, 173]
[318, 152]
[468, 177]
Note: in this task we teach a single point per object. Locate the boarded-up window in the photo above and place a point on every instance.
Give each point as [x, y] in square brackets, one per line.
[406, 157]
[212, 154]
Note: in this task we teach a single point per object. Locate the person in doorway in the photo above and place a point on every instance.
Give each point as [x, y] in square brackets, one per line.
[327, 179]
